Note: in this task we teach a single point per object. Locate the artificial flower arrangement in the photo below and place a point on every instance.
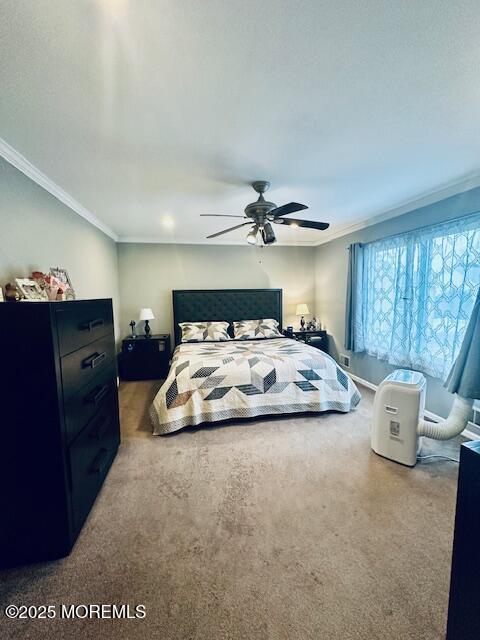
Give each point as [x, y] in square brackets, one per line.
[41, 287]
[53, 287]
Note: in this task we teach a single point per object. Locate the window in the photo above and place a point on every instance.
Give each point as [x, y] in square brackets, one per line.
[417, 292]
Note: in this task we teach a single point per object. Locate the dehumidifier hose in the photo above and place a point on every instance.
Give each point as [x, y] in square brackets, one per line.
[453, 425]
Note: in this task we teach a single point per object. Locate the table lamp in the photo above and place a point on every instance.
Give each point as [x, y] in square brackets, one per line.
[146, 314]
[302, 310]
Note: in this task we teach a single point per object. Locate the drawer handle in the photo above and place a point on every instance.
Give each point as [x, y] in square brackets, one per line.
[93, 324]
[101, 426]
[98, 464]
[98, 394]
[94, 360]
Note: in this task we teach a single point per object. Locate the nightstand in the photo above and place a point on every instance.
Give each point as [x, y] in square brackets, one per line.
[317, 339]
[145, 358]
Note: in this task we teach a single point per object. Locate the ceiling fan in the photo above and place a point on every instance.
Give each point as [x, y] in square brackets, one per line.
[261, 214]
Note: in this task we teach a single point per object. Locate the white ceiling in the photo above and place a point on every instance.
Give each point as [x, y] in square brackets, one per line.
[150, 112]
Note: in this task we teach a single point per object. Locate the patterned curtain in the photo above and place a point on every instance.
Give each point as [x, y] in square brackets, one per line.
[353, 307]
[464, 378]
[419, 289]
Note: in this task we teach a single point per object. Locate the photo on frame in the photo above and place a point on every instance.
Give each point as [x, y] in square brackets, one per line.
[30, 290]
[62, 276]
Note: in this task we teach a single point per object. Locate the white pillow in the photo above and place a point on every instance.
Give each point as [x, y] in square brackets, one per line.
[204, 331]
[253, 329]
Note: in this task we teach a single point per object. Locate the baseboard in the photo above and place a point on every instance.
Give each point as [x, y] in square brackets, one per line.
[466, 433]
[470, 435]
[361, 381]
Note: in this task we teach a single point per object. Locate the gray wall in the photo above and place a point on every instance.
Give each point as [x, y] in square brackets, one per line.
[331, 261]
[38, 232]
[149, 272]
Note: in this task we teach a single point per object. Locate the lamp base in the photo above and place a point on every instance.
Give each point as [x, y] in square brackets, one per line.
[302, 324]
[147, 329]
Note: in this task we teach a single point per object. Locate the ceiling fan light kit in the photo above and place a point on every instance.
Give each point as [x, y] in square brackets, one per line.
[252, 235]
[268, 236]
[262, 213]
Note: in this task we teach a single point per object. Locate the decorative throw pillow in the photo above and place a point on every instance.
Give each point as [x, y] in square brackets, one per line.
[252, 329]
[204, 331]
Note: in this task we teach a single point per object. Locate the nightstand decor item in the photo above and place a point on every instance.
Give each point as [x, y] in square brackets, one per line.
[59, 426]
[302, 310]
[288, 332]
[145, 358]
[133, 324]
[147, 315]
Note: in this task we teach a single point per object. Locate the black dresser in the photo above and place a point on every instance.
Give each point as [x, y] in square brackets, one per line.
[59, 423]
[463, 612]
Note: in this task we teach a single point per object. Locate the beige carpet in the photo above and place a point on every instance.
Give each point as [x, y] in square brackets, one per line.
[278, 529]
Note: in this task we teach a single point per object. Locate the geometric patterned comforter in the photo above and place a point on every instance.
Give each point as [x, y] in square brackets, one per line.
[214, 381]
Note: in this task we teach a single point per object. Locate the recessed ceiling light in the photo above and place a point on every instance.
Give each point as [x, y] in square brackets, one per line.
[117, 5]
[115, 9]
[168, 222]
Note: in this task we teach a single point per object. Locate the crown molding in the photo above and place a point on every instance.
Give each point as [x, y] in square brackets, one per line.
[209, 243]
[429, 197]
[18, 161]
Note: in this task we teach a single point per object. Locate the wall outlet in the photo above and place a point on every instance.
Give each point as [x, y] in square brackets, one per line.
[344, 360]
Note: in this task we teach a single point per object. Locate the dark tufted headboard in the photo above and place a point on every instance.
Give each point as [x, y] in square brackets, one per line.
[197, 305]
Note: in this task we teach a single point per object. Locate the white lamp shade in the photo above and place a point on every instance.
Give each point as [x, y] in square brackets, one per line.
[146, 314]
[302, 310]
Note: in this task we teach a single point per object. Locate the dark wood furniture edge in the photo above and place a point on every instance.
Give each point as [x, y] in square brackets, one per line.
[463, 616]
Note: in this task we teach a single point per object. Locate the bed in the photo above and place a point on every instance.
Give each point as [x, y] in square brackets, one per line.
[211, 382]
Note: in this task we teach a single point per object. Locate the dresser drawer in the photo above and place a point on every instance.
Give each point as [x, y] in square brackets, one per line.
[82, 366]
[95, 397]
[91, 456]
[80, 323]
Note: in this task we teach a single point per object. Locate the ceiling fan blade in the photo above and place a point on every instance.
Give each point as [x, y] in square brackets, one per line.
[291, 207]
[309, 224]
[219, 215]
[219, 233]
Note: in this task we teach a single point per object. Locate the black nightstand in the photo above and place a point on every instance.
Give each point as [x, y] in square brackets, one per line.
[317, 339]
[145, 358]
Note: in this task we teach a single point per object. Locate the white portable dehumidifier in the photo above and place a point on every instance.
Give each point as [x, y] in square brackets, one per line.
[397, 409]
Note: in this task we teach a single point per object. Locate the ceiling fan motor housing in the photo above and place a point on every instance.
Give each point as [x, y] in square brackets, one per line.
[260, 209]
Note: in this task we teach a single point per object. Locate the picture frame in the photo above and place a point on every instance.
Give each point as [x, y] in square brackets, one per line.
[62, 275]
[30, 290]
